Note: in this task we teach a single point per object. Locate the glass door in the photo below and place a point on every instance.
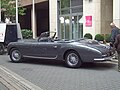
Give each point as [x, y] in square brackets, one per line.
[62, 27]
[71, 27]
[65, 27]
[74, 27]
[77, 27]
[80, 26]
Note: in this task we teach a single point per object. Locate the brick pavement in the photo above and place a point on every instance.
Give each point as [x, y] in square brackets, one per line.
[2, 86]
[100, 76]
[11, 81]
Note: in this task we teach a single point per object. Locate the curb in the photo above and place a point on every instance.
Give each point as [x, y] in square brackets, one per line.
[15, 82]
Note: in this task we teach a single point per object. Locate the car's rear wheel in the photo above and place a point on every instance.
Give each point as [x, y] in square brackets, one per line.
[72, 59]
[15, 55]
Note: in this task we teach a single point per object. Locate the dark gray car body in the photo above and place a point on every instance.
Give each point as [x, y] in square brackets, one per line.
[88, 50]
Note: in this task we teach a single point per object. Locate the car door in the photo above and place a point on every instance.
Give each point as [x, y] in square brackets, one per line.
[48, 50]
[28, 48]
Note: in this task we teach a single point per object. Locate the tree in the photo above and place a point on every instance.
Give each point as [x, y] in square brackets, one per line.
[9, 9]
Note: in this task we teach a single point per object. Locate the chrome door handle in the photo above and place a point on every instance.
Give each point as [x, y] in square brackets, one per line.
[55, 46]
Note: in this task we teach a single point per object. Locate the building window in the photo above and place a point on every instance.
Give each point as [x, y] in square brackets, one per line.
[70, 14]
[65, 6]
[76, 6]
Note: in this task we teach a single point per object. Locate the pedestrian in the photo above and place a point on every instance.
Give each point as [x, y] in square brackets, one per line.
[117, 46]
[114, 32]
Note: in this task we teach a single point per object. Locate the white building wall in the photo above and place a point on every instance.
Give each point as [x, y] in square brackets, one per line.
[53, 15]
[92, 8]
[101, 12]
[116, 12]
[106, 16]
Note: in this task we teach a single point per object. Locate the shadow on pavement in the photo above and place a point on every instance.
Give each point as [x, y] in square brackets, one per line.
[94, 66]
[44, 62]
[99, 65]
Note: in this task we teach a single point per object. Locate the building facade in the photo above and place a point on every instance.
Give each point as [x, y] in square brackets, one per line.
[41, 16]
[71, 19]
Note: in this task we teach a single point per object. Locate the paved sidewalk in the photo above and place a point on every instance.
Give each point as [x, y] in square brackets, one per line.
[11, 81]
[3, 87]
[98, 76]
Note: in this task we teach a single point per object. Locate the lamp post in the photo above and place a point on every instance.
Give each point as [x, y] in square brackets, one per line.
[16, 11]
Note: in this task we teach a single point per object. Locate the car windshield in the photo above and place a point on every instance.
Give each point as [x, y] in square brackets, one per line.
[46, 37]
[44, 34]
[47, 34]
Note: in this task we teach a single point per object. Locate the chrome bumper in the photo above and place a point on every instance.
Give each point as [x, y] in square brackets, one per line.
[103, 59]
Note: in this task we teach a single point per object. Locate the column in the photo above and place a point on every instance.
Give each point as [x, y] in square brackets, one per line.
[116, 12]
[53, 15]
[33, 23]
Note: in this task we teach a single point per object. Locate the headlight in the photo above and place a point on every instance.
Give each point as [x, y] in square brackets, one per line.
[105, 55]
[112, 53]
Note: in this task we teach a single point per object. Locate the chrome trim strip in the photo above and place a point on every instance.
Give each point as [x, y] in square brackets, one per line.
[103, 59]
[39, 57]
[104, 55]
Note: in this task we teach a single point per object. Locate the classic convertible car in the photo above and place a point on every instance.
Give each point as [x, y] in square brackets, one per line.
[73, 52]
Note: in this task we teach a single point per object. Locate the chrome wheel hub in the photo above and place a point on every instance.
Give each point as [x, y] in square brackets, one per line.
[72, 59]
[16, 55]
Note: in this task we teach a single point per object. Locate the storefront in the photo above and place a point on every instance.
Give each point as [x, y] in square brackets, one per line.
[72, 19]
[69, 19]
[41, 18]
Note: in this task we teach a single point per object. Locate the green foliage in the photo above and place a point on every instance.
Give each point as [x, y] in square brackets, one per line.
[21, 10]
[9, 8]
[99, 37]
[27, 34]
[107, 37]
[88, 36]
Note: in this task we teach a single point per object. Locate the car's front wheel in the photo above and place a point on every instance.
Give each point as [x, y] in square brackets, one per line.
[72, 59]
[15, 55]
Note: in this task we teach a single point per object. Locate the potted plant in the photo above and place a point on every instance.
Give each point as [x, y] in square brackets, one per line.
[99, 37]
[107, 37]
[26, 33]
[88, 36]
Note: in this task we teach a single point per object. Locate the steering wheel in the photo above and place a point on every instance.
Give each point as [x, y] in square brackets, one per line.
[54, 35]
